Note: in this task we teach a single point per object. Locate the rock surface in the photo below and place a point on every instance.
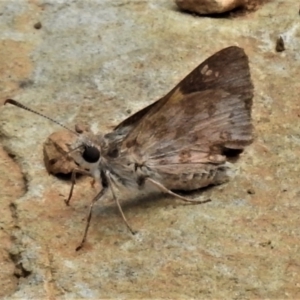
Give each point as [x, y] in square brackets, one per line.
[94, 62]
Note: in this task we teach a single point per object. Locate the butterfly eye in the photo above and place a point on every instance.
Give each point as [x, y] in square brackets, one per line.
[91, 154]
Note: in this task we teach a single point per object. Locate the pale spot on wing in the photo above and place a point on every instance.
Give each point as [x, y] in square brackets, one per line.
[177, 95]
[217, 74]
[225, 135]
[208, 72]
[204, 69]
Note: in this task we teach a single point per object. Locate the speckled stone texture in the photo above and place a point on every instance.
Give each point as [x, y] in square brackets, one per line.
[97, 61]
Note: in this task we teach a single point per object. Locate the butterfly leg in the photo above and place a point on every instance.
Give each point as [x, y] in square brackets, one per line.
[165, 190]
[95, 199]
[118, 204]
[73, 179]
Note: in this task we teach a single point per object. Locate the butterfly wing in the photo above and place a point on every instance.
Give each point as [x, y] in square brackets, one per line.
[207, 113]
[122, 129]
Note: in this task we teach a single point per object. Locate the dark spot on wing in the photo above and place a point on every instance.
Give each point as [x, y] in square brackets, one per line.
[185, 156]
[141, 180]
[131, 143]
[52, 161]
[211, 109]
[113, 153]
[136, 166]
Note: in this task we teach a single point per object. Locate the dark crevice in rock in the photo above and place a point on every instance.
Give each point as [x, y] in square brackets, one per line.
[20, 270]
[16, 228]
[15, 160]
[14, 212]
[13, 186]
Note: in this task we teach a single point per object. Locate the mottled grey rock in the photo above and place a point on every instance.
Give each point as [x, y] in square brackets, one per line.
[92, 62]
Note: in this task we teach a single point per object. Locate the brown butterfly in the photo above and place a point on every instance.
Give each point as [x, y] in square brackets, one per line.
[180, 142]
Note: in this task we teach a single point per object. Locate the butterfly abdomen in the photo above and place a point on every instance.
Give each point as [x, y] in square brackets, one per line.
[195, 177]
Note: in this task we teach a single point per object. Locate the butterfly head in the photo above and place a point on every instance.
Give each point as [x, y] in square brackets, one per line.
[87, 152]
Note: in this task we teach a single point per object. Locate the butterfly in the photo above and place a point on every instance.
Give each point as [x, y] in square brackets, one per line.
[182, 141]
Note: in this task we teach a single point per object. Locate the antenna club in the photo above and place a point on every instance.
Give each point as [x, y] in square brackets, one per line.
[11, 101]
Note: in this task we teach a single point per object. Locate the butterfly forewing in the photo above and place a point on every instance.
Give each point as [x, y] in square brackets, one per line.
[208, 111]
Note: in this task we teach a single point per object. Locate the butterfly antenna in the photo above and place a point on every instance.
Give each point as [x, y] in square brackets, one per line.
[18, 104]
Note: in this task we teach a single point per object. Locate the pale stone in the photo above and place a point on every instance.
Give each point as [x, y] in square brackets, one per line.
[56, 149]
[209, 6]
